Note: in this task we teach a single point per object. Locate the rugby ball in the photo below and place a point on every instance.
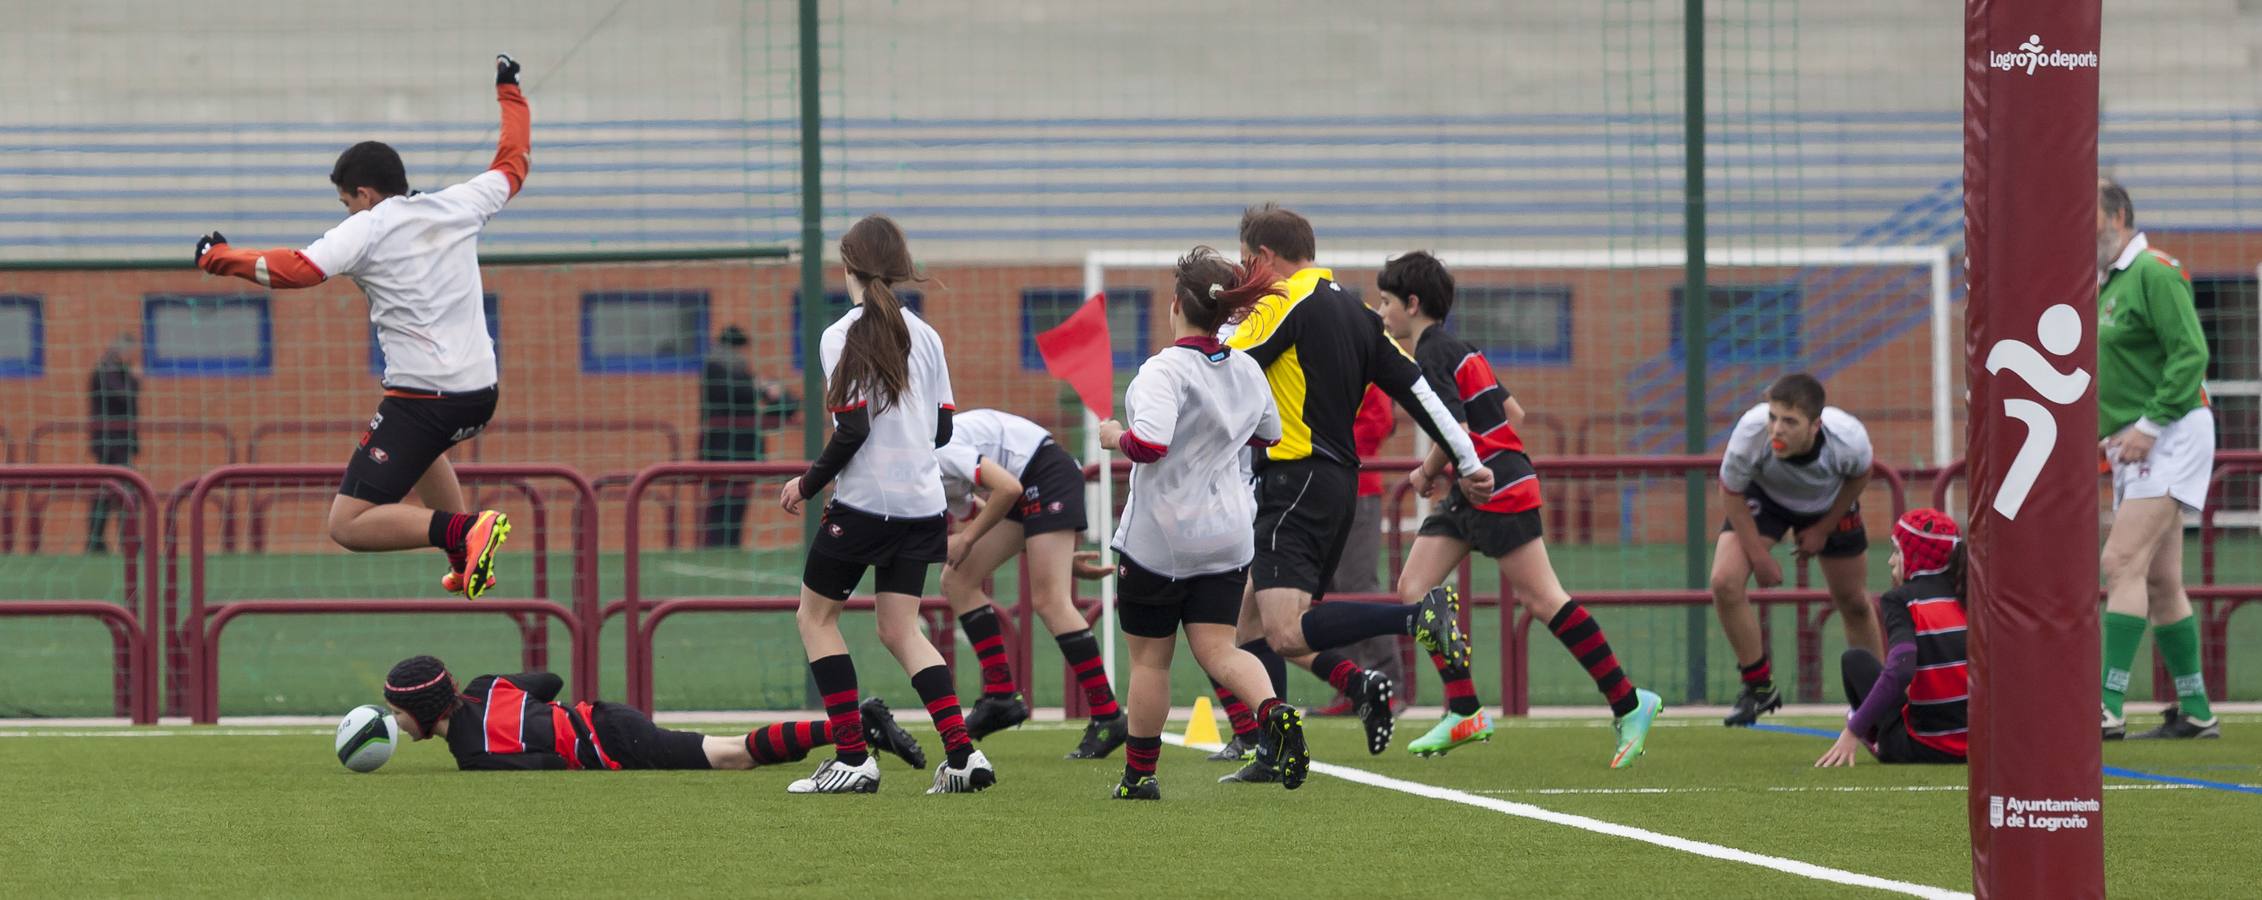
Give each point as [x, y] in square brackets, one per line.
[365, 738]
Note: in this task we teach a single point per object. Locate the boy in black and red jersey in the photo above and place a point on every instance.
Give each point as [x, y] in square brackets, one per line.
[1505, 525]
[1910, 708]
[501, 722]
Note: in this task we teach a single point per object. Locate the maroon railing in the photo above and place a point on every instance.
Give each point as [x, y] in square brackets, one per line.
[35, 506]
[205, 621]
[643, 625]
[132, 619]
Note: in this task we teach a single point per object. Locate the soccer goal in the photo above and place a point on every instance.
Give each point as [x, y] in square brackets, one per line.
[1594, 336]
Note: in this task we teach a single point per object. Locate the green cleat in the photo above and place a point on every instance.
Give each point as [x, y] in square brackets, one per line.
[1633, 727]
[1451, 732]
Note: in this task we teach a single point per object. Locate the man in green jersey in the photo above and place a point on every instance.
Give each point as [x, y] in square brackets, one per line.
[2157, 432]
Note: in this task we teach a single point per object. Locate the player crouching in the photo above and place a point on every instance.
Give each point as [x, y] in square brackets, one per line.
[1910, 708]
[501, 722]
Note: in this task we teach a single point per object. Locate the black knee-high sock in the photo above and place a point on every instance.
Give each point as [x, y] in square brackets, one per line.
[787, 742]
[934, 686]
[1585, 640]
[1238, 713]
[836, 681]
[1342, 623]
[988, 638]
[1139, 755]
[1276, 667]
[1082, 652]
[1338, 669]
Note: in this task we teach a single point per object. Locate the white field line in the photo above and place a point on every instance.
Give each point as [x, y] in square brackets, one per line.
[1598, 826]
[1850, 789]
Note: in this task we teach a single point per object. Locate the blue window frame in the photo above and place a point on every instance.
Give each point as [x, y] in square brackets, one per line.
[1747, 323]
[23, 336]
[1129, 312]
[205, 335]
[642, 332]
[836, 304]
[1516, 325]
[494, 332]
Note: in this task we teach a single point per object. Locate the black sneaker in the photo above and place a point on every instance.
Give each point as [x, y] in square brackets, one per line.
[1437, 627]
[1752, 703]
[1370, 701]
[1101, 737]
[882, 734]
[1143, 789]
[1281, 743]
[994, 713]
[1235, 750]
[2176, 725]
[1258, 771]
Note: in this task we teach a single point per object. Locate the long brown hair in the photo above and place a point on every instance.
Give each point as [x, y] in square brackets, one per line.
[875, 363]
[1214, 292]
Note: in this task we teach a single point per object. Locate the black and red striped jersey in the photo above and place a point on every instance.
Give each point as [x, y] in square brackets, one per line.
[514, 722]
[1460, 375]
[1926, 612]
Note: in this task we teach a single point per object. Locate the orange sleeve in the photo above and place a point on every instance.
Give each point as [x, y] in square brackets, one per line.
[269, 268]
[512, 149]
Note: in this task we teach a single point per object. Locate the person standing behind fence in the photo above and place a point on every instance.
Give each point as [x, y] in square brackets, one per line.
[732, 406]
[2155, 428]
[113, 430]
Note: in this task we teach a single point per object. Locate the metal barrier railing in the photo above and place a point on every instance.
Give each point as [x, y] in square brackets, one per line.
[131, 620]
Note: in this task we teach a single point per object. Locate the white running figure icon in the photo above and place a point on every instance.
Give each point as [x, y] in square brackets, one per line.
[2059, 332]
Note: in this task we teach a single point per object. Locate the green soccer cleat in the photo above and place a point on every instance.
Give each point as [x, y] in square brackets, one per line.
[1452, 732]
[1633, 727]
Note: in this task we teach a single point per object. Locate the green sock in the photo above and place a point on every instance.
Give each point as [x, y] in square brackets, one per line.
[2179, 643]
[2122, 634]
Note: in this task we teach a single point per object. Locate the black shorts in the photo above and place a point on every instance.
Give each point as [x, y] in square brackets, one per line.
[1052, 493]
[1492, 534]
[634, 742]
[899, 550]
[1151, 605]
[409, 431]
[1303, 517]
[1849, 539]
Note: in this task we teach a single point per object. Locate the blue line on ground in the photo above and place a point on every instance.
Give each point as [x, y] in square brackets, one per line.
[2112, 771]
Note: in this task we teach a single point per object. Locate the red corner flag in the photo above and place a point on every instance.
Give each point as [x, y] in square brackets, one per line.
[1078, 351]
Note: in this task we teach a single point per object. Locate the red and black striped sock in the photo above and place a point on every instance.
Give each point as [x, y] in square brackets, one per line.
[934, 686]
[988, 638]
[1082, 651]
[1758, 676]
[1264, 709]
[836, 682]
[1460, 689]
[1336, 668]
[447, 532]
[1236, 712]
[1583, 637]
[1139, 755]
[787, 742]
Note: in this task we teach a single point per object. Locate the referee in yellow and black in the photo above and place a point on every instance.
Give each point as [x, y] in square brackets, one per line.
[1320, 349]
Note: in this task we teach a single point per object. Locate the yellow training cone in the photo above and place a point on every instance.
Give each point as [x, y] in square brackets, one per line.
[1201, 726]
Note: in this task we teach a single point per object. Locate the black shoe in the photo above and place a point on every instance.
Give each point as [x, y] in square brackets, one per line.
[994, 713]
[1752, 703]
[1437, 627]
[882, 734]
[1101, 737]
[1258, 771]
[1235, 750]
[1281, 743]
[1370, 701]
[1143, 789]
[2176, 725]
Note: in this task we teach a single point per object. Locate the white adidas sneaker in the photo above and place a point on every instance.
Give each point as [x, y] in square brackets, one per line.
[977, 775]
[836, 777]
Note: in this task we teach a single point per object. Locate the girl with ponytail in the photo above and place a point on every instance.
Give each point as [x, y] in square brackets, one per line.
[887, 386]
[1187, 532]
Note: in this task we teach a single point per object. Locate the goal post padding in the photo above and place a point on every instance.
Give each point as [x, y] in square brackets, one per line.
[2030, 170]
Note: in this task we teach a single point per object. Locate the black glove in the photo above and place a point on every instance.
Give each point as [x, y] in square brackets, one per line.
[204, 245]
[506, 69]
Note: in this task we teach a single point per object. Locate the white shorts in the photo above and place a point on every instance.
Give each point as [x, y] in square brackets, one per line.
[2180, 464]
